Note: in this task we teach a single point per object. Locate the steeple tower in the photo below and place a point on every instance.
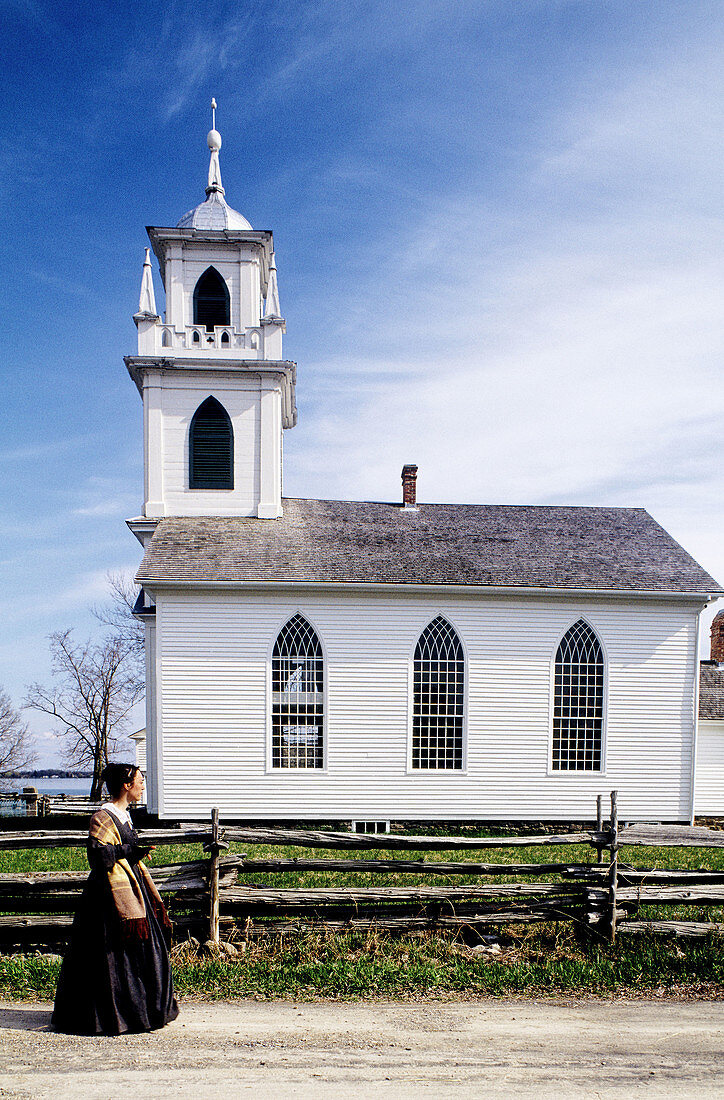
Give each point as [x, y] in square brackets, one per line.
[216, 391]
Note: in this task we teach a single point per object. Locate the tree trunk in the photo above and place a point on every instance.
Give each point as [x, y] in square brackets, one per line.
[97, 784]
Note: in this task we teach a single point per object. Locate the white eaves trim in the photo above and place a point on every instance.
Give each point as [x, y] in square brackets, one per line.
[698, 598]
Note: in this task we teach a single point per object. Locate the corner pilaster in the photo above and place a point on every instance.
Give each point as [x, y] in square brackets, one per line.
[153, 446]
[270, 459]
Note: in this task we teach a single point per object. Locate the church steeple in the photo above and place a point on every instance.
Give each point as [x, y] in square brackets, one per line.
[218, 346]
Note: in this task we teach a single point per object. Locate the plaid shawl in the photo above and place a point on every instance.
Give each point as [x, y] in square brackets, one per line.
[125, 890]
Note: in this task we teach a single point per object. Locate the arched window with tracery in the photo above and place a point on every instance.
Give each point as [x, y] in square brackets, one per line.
[438, 698]
[578, 701]
[297, 697]
[211, 300]
[211, 447]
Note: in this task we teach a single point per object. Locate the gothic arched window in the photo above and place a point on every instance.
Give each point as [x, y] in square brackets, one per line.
[578, 701]
[297, 697]
[211, 300]
[438, 703]
[211, 447]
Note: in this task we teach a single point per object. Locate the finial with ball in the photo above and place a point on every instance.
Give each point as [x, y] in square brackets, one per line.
[213, 138]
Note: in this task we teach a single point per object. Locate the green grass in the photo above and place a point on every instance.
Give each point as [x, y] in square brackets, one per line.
[537, 961]
[547, 962]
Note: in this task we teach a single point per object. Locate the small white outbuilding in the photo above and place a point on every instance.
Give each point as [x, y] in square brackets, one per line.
[325, 660]
[709, 796]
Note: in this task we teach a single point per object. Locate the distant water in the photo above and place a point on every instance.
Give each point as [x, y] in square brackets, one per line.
[49, 785]
[56, 786]
[73, 788]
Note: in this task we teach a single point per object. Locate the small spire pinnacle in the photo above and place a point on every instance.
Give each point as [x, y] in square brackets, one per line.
[147, 300]
[213, 140]
[272, 311]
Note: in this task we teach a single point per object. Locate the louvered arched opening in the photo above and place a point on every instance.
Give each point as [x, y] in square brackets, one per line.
[211, 300]
[297, 697]
[578, 701]
[439, 698]
[211, 447]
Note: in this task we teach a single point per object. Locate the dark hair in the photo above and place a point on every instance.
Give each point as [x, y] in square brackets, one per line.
[115, 775]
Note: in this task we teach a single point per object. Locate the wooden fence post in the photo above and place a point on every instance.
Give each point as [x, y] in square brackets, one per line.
[599, 825]
[30, 794]
[613, 865]
[214, 847]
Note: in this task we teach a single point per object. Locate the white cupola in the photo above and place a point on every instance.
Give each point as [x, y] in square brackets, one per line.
[216, 391]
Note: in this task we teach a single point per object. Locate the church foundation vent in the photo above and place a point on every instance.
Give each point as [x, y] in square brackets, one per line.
[717, 638]
[409, 486]
[370, 827]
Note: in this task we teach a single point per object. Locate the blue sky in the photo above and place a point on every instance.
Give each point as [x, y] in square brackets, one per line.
[499, 238]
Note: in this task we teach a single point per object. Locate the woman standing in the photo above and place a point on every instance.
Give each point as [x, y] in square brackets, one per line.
[116, 975]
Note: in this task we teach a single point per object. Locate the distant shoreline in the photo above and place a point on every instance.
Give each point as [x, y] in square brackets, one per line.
[48, 773]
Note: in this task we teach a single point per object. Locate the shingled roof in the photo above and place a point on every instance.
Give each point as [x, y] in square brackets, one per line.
[333, 541]
[711, 690]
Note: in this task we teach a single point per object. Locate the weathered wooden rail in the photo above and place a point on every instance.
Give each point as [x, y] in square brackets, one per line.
[391, 842]
[207, 898]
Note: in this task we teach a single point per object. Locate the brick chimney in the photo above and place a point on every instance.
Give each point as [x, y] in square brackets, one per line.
[409, 486]
[717, 638]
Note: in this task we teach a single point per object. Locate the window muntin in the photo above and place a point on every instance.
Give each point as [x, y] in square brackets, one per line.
[297, 697]
[211, 447]
[578, 701]
[438, 698]
[211, 300]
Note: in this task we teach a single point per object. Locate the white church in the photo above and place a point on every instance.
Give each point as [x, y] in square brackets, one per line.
[342, 660]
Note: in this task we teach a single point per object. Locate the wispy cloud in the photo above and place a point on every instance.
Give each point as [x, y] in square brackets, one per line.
[174, 65]
[110, 506]
[40, 16]
[104, 496]
[562, 343]
[63, 284]
[40, 450]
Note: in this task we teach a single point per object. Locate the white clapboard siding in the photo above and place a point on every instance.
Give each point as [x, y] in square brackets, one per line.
[709, 791]
[213, 721]
[180, 398]
[141, 754]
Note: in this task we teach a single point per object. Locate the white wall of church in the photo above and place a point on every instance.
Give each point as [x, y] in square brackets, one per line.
[709, 797]
[254, 407]
[151, 744]
[213, 668]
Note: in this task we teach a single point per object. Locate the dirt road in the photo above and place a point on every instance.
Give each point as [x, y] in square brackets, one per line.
[438, 1049]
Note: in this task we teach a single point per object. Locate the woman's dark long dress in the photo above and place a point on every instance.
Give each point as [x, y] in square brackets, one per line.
[109, 985]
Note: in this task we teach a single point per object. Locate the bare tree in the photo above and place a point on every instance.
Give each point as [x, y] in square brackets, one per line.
[96, 687]
[15, 749]
[117, 614]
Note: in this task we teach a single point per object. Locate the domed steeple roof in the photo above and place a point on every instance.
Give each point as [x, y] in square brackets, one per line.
[215, 212]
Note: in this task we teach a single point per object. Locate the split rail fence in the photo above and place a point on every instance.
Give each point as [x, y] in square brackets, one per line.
[205, 898]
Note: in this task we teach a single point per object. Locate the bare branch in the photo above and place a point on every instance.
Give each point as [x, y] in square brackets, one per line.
[96, 685]
[117, 614]
[15, 748]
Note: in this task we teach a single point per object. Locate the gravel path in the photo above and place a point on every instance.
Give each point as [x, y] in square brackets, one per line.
[329, 1050]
